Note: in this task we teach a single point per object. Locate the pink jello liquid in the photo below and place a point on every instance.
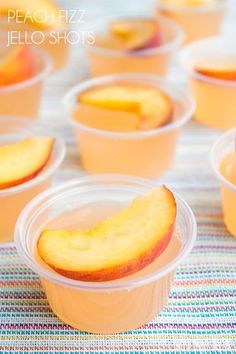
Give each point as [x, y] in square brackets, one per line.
[108, 310]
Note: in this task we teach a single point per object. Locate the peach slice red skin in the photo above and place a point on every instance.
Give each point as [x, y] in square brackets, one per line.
[136, 39]
[27, 178]
[23, 180]
[122, 270]
[227, 75]
[156, 41]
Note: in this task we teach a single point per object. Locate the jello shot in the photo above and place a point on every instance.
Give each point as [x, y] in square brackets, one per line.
[133, 44]
[128, 123]
[43, 24]
[23, 70]
[29, 158]
[199, 19]
[211, 68]
[223, 160]
[86, 241]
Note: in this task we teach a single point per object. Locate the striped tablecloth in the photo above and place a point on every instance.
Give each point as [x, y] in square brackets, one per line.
[201, 313]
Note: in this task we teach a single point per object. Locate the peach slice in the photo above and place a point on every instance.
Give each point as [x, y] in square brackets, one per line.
[23, 160]
[44, 14]
[153, 107]
[17, 65]
[227, 72]
[137, 34]
[118, 246]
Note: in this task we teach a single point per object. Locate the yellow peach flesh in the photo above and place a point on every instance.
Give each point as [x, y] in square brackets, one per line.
[152, 106]
[21, 161]
[17, 65]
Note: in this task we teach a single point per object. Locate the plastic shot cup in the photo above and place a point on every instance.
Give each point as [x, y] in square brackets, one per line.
[14, 199]
[221, 153]
[23, 99]
[104, 307]
[215, 98]
[156, 60]
[199, 21]
[146, 153]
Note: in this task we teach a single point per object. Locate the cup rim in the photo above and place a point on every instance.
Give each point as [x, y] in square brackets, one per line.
[224, 137]
[216, 5]
[59, 143]
[178, 40]
[183, 61]
[41, 75]
[129, 135]
[98, 286]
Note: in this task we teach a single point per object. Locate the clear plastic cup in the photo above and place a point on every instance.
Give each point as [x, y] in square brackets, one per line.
[105, 61]
[104, 307]
[146, 153]
[23, 99]
[215, 98]
[13, 200]
[53, 41]
[197, 21]
[225, 145]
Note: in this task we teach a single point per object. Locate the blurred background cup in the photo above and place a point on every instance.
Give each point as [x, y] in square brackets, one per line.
[147, 153]
[197, 20]
[222, 154]
[104, 60]
[23, 98]
[215, 98]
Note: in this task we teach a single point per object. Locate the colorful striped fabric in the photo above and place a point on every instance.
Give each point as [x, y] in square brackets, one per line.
[201, 313]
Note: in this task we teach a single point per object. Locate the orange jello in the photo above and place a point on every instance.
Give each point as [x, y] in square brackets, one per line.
[198, 18]
[22, 72]
[37, 22]
[128, 123]
[223, 156]
[211, 69]
[133, 44]
[27, 163]
[104, 306]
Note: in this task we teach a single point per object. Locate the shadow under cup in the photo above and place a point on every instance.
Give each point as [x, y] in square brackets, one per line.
[105, 307]
[146, 153]
[13, 200]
